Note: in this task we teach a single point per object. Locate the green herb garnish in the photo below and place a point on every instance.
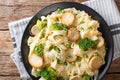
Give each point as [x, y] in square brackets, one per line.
[89, 27]
[65, 63]
[42, 35]
[68, 45]
[82, 22]
[59, 26]
[50, 48]
[96, 54]
[85, 55]
[81, 28]
[58, 60]
[73, 63]
[78, 58]
[56, 49]
[74, 74]
[69, 55]
[39, 49]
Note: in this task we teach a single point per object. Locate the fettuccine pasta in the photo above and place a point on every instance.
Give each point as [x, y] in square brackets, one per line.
[66, 46]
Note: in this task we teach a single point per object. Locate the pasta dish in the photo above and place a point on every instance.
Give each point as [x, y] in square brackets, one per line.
[66, 45]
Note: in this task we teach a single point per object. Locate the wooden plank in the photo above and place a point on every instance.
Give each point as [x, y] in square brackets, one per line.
[112, 77]
[31, 2]
[115, 67]
[5, 36]
[118, 4]
[6, 46]
[7, 66]
[10, 78]
[19, 12]
[6, 15]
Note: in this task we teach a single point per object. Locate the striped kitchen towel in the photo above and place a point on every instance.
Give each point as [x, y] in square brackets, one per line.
[106, 8]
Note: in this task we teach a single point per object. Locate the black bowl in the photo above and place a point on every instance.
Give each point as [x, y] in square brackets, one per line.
[104, 28]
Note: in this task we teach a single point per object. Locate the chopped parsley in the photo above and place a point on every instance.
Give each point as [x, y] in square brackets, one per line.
[65, 63]
[85, 55]
[82, 22]
[55, 48]
[58, 60]
[69, 55]
[73, 63]
[90, 27]
[81, 28]
[78, 58]
[74, 73]
[68, 45]
[50, 48]
[96, 54]
[59, 26]
[42, 35]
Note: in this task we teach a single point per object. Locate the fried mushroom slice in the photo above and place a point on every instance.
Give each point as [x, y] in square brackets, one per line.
[68, 18]
[73, 34]
[35, 61]
[35, 30]
[95, 62]
[70, 56]
[101, 42]
[77, 77]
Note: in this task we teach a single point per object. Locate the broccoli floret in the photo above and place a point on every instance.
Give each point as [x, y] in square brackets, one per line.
[68, 45]
[39, 49]
[48, 74]
[41, 24]
[86, 44]
[59, 26]
[86, 77]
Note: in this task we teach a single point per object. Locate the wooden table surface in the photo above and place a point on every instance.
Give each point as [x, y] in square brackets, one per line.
[11, 10]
